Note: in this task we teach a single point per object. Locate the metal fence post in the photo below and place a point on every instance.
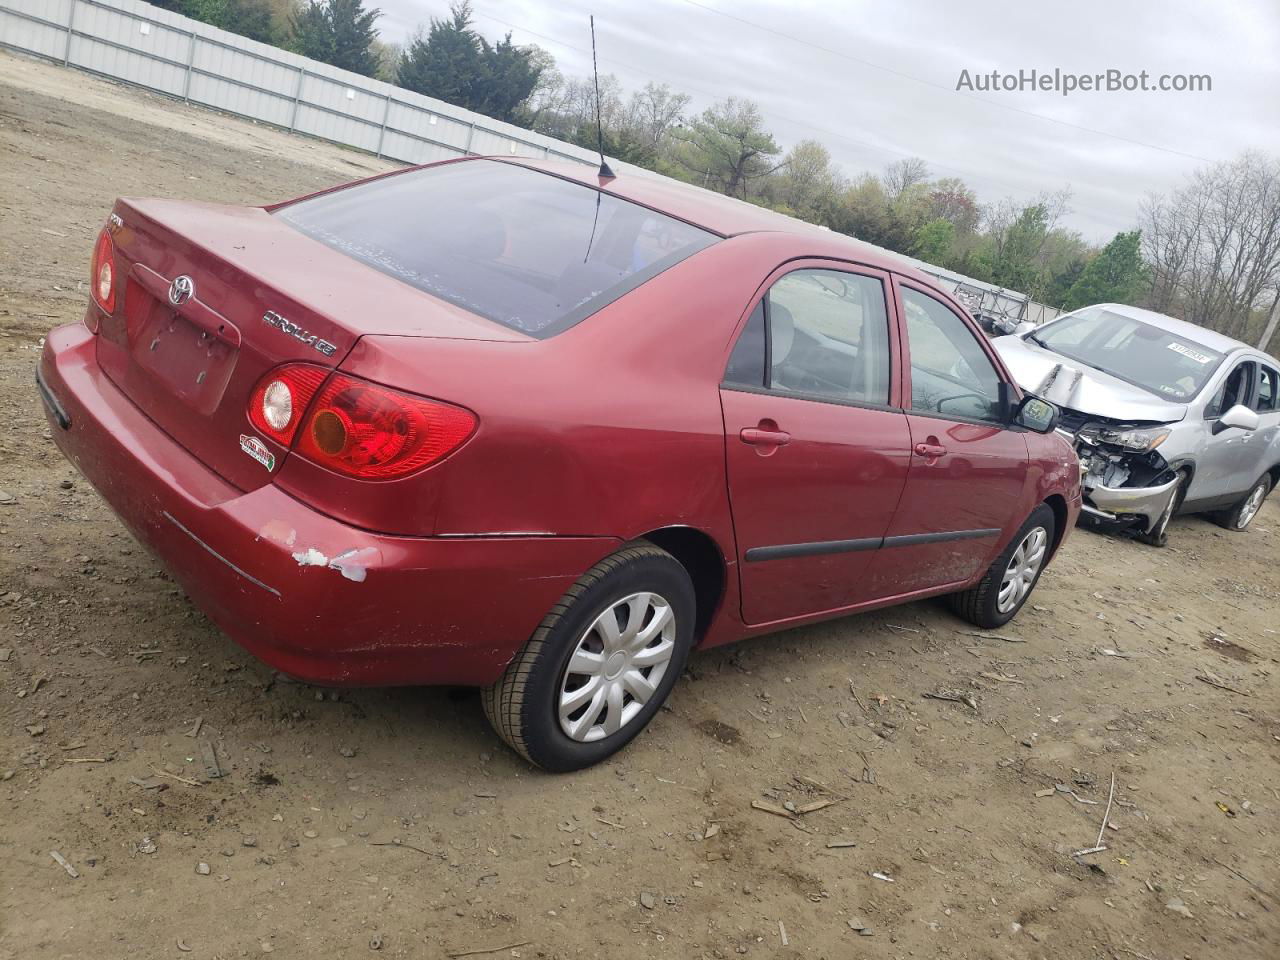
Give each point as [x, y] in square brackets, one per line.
[71, 22]
[297, 94]
[191, 59]
[382, 133]
[471, 135]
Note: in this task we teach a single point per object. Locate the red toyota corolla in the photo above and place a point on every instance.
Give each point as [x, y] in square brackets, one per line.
[505, 424]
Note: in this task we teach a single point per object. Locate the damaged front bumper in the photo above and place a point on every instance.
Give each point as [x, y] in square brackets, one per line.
[1120, 484]
[1143, 505]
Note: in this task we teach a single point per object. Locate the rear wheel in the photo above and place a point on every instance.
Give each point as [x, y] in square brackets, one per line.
[1239, 517]
[601, 663]
[995, 599]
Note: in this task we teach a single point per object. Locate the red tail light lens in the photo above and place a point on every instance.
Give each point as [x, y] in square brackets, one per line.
[102, 275]
[281, 397]
[365, 430]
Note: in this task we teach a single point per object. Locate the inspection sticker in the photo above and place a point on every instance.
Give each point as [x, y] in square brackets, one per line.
[1188, 352]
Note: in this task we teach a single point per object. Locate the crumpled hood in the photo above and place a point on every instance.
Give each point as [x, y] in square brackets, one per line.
[1094, 392]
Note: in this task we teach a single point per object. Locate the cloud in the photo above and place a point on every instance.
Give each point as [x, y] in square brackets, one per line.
[874, 81]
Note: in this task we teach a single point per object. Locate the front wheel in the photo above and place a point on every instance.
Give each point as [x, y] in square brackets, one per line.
[1239, 516]
[995, 599]
[600, 665]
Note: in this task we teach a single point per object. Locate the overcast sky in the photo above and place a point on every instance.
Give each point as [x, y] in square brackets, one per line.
[874, 80]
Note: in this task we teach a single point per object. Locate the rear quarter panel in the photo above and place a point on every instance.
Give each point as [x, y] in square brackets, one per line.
[613, 425]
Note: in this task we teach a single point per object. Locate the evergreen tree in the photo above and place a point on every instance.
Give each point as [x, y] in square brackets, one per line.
[254, 19]
[338, 32]
[507, 78]
[727, 148]
[452, 63]
[446, 63]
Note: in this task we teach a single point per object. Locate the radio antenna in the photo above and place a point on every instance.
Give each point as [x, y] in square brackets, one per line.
[605, 172]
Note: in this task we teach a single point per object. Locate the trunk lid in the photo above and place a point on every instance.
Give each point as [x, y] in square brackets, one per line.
[256, 294]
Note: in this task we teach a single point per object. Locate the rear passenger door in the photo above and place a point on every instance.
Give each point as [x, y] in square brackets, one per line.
[969, 467]
[816, 446]
[1266, 402]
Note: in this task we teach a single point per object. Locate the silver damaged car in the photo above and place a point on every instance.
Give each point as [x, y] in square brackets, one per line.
[1167, 417]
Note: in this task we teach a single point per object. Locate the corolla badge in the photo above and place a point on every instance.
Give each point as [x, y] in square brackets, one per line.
[273, 319]
[258, 450]
[181, 290]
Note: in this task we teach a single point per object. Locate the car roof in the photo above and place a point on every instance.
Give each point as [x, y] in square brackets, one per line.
[1192, 331]
[726, 216]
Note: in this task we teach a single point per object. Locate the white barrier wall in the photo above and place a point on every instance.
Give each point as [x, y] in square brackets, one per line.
[133, 41]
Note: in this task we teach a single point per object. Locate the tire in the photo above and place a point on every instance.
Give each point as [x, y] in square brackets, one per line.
[524, 705]
[980, 604]
[1158, 535]
[1239, 516]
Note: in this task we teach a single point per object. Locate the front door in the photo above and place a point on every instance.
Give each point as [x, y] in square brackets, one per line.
[1228, 465]
[817, 449]
[968, 466]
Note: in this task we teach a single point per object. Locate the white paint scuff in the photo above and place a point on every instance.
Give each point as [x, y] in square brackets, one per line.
[353, 564]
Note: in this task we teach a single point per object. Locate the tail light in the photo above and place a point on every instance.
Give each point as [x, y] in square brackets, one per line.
[281, 397]
[365, 430]
[102, 276]
[355, 427]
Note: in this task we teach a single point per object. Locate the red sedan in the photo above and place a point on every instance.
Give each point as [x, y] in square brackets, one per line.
[506, 424]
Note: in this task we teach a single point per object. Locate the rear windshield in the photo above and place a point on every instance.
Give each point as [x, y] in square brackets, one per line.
[1160, 362]
[529, 250]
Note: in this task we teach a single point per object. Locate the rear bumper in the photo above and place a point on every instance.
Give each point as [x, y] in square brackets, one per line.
[303, 592]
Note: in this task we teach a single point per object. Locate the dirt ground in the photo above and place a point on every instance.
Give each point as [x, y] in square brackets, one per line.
[394, 821]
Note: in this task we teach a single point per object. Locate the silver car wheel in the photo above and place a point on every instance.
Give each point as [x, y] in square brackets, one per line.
[1251, 506]
[1021, 572]
[616, 666]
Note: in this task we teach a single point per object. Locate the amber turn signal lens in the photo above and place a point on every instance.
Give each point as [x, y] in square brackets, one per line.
[329, 432]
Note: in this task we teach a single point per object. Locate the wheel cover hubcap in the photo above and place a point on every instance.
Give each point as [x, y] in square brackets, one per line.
[1251, 507]
[1024, 565]
[616, 667]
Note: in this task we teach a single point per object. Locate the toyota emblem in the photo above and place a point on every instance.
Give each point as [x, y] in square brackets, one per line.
[181, 290]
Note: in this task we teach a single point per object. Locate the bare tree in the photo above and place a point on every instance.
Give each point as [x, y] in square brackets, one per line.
[901, 175]
[653, 113]
[1214, 245]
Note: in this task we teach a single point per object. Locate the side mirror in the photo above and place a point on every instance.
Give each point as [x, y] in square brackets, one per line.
[1036, 414]
[1238, 416]
[1005, 325]
[1026, 326]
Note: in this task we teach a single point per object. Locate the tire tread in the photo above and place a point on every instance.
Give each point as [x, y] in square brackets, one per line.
[972, 604]
[504, 701]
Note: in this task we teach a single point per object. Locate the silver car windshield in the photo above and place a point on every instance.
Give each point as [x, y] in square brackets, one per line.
[1160, 362]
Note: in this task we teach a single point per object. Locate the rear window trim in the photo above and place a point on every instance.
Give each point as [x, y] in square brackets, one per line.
[583, 311]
